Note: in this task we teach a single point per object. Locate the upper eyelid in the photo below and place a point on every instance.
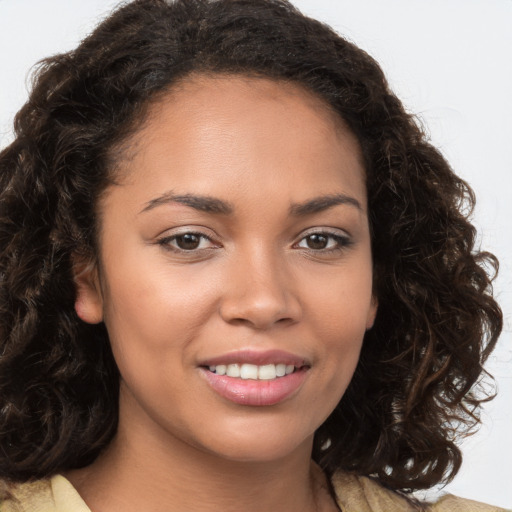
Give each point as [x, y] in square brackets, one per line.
[344, 239]
[324, 230]
[183, 230]
[168, 242]
[176, 235]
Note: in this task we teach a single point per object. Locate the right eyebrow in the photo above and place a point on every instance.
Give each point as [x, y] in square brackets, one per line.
[198, 202]
[322, 203]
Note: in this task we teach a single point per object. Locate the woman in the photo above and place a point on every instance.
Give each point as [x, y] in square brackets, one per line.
[234, 275]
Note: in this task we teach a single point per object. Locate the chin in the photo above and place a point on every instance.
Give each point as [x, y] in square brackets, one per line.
[261, 448]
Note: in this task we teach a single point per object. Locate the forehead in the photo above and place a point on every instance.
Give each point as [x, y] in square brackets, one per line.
[224, 96]
[213, 130]
[215, 91]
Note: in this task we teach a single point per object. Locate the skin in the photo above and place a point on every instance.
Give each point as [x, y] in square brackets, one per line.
[255, 281]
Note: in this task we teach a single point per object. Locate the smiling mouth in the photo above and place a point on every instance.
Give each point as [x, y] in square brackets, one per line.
[250, 379]
[248, 371]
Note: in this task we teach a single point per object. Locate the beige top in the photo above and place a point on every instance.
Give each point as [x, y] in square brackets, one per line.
[353, 494]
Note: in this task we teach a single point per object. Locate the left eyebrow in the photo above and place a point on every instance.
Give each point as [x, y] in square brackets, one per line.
[322, 203]
[202, 203]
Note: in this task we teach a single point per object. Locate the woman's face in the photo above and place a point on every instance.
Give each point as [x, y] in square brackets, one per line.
[234, 249]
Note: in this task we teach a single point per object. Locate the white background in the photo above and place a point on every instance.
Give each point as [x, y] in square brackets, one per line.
[450, 61]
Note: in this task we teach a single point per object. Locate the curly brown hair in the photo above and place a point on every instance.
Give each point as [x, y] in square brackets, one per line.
[415, 388]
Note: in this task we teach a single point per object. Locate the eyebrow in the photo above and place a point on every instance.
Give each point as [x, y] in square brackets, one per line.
[213, 205]
[202, 203]
[322, 203]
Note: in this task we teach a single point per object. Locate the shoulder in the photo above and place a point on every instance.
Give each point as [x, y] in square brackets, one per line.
[49, 495]
[26, 496]
[450, 503]
[361, 494]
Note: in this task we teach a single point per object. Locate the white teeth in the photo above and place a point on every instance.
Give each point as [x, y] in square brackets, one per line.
[267, 372]
[252, 371]
[233, 370]
[249, 371]
[281, 370]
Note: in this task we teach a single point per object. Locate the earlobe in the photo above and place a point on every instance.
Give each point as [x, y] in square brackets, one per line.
[372, 312]
[89, 300]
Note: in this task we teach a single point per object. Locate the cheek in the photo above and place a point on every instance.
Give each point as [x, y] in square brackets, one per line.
[145, 296]
[153, 315]
[339, 313]
[341, 303]
[150, 324]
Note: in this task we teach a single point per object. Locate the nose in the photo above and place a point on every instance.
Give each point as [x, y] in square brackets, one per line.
[260, 293]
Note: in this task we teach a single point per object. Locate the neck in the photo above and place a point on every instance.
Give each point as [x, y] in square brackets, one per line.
[160, 473]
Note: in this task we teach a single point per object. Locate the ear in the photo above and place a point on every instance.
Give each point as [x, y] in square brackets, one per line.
[89, 300]
[372, 312]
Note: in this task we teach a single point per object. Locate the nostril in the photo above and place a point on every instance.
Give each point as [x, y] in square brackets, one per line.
[260, 305]
[258, 321]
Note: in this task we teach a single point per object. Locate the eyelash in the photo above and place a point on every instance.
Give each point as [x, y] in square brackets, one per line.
[167, 241]
[342, 242]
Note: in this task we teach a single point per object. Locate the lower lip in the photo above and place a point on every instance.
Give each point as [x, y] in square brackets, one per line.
[255, 392]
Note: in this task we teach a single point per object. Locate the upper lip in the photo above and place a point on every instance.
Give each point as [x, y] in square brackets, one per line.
[259, 358]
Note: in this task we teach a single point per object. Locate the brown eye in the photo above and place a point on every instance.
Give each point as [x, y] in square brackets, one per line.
[324, 241]
[317, 241]
[188, 241]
